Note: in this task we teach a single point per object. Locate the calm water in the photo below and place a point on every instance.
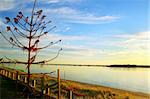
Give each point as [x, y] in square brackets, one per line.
[133, 79]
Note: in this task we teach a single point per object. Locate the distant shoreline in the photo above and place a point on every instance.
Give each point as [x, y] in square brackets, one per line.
[115, 65]
[129, 66]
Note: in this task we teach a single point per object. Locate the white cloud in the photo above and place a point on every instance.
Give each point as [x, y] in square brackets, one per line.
[75, 16]
[81, 50]
[136, 36]
[12, 4]
[67, 28]
[137, 40]
[2, 24]
[7, 4]
[61, 1]
[91, 19]
[61, 11]
[52, 1]
[134, 46]
[67, 14]
[73, 49]
[66, 37]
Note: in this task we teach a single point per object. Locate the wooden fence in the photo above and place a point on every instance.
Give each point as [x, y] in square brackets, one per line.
[39, 86]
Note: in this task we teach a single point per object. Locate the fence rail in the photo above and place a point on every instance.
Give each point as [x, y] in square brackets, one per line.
[38, 85]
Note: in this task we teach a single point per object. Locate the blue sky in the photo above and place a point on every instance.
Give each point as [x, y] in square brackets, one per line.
[92, 31]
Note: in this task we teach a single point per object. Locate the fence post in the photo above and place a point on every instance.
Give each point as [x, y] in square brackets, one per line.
[18, 77]
[21, 78]
[58, 79]
[42, 86]
[44, 91]
[9, 74]
[1, 71]
[25, 79]
[48, 91]
[6, 73]
[70, 94]
[13, 76]
[34, 83]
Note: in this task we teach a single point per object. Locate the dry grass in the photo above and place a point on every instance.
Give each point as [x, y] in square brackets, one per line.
[95, 90]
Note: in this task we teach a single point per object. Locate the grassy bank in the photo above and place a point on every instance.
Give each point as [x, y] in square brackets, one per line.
[103, 91]
[97, 91]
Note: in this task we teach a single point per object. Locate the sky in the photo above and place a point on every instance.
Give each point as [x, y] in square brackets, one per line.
[95, 32]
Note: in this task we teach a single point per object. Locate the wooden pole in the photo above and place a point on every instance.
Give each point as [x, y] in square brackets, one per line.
[34, 83]
[9, 74]
[42, 86]
[13, 76]
[16, 82]
[44, 91]
[6, 73]
[48, 91]
[1, 71]
[25, 79]
[21, 78]
[70, 94]
[18, 77]
[58, 79]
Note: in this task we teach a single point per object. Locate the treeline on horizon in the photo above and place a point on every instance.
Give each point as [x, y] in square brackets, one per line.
[114, 65]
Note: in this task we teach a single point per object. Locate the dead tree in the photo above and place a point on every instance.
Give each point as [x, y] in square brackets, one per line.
[31, 28]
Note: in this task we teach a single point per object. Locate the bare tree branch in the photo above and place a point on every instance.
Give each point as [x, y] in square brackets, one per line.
[18, 30]
[12, 43]
[45, 61]
[41, 25]
[43, 33]
[17, 41]
[50, 44]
